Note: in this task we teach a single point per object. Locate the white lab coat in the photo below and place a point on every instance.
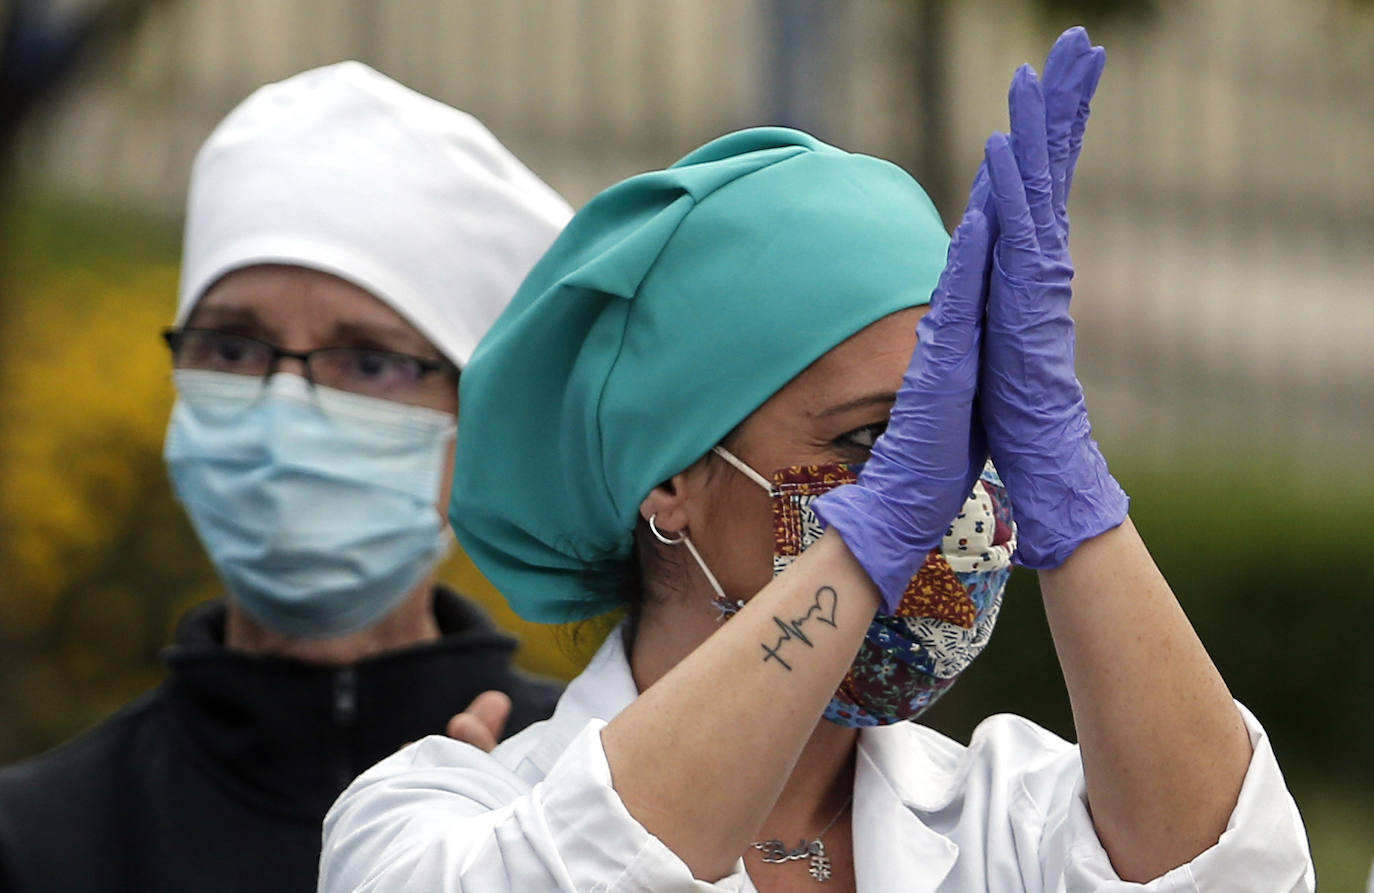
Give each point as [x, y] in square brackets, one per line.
[1006, 814]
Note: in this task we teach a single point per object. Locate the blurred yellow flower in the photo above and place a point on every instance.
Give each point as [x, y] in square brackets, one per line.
[84, 391]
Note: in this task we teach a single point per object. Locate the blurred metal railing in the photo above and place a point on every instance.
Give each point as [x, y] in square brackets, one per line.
[1224, 209]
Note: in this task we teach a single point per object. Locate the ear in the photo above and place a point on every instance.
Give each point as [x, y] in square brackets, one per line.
[667, 503]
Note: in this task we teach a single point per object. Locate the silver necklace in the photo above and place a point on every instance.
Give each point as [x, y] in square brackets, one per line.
[776, 852]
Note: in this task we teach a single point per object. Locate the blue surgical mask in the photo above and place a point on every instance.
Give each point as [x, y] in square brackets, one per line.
[316, 506]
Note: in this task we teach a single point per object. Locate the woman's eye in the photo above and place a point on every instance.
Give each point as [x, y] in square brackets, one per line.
[371, 365]
[377, 366]
[862, 438]
[229, 352]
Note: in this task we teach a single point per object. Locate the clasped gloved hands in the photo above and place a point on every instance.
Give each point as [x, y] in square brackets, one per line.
[1031, 403]
[1032, 417]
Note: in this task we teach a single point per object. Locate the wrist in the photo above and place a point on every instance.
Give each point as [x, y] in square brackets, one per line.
[831, 547]
[1059, 505]
[879, 537]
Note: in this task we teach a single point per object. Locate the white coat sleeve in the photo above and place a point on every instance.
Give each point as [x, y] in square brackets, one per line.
[442, 816]
[1264, 846]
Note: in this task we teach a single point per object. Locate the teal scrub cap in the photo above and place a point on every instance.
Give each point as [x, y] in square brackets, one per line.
[674, 304]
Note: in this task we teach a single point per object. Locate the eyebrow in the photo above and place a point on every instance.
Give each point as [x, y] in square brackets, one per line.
[384, 336]
[218, 314]
[880, 398]
[344, 333]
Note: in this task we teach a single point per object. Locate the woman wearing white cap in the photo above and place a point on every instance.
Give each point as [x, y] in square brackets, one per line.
[348, 241]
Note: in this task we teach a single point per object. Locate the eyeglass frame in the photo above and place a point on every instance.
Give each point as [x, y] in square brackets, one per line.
[172, 335]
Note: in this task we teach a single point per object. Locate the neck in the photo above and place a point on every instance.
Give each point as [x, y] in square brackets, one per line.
[410, 623]
[818, 788]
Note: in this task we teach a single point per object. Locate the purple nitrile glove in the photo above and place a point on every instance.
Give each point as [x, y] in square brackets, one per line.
[1031, 402]
[1072, 71]
[925, 463]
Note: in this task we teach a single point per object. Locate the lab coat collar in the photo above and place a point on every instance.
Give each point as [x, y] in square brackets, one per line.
[900, 772]
[925, 769]
[601, 691]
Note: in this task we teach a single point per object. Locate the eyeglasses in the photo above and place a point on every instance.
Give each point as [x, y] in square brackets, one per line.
[360, 370]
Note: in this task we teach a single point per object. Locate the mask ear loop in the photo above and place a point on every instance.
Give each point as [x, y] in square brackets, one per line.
[743, 469]
[726, 605]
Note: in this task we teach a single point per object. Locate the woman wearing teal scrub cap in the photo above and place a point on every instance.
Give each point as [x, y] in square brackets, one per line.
[676, 305]
[704, 400]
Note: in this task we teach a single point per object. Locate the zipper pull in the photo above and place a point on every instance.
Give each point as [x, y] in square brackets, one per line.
[345, 696]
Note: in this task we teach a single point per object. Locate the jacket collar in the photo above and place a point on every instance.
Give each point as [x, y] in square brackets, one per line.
[287, 736]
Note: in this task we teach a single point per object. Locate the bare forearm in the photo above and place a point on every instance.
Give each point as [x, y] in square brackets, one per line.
[1164, 748]
[700, 758]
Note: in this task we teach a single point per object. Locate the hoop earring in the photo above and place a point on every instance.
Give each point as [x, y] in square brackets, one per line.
[658, 534]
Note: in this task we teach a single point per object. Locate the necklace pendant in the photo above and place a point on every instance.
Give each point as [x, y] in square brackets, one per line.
[820, 862]
[775, 852]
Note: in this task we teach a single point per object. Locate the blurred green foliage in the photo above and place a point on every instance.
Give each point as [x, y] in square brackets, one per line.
[97, 561]
[1276, 580]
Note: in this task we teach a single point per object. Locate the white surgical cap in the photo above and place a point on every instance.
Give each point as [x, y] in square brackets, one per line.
[343, 170]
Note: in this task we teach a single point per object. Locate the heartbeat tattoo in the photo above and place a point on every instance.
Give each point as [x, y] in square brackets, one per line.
[825, 603]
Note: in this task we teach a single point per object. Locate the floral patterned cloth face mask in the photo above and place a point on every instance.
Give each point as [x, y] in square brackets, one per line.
[912, 656]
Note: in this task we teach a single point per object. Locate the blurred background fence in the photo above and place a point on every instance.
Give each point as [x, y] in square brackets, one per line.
[1223, 230]
[1224, 214]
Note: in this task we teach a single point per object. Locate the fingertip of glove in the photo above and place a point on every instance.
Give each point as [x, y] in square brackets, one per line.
[1003, 179]
[1003, 171]
[968, 250]
[979, 193]
[974, 220]
[1026, 101]
[1076, 34]
[1099, 62]
[1068, 49]
[1025, 78]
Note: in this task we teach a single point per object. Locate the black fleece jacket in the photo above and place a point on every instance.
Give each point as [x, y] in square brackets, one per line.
[219, 779]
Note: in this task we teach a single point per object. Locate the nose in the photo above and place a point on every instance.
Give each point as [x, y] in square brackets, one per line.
[291, 366]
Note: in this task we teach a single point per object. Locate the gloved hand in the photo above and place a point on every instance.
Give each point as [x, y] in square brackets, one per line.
[1031, 402]
[888, 529]
[925, 463]
[1072, 71]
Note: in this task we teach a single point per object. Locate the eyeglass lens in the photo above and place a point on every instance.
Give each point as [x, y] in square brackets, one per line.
[373, 373]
